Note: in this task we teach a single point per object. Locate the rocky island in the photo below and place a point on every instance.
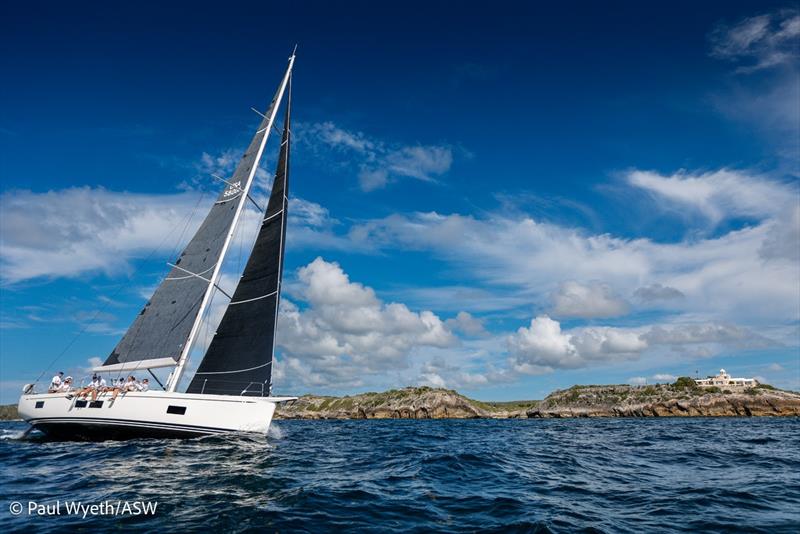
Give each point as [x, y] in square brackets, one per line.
[682, 398]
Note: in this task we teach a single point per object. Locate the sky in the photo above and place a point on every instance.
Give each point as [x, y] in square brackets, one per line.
[501, 201]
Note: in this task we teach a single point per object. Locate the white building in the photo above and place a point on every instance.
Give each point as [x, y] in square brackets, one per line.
[723, 379]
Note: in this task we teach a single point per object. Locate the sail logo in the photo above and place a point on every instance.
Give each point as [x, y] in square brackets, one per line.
[234, 189]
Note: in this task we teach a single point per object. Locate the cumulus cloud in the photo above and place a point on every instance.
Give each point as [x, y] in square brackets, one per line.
[758, 42]
[544, 346]
[467, 324]
[590, 300]
[381, 163]
[345, 330]
[664, 377]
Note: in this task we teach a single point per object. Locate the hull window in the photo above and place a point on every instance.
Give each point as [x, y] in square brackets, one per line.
[80, 404]
[39, 404]
[177, 410]
[96, 404]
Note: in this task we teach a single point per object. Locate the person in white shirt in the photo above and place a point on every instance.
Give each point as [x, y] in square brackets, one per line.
[55, 383]
[131, 384]
[65, 386]
[122, 386]
[144, 385]
[97, 384]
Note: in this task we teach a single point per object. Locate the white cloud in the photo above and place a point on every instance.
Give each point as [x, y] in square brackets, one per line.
[72, 231]
[759, 42]
[544, 346]
[467, 324]
[590, 300]
[745, 276]
[664, 377]
[767, 100]
[421, 162]
[380, 163]
[332, 135]
[719, 194]
[345, 332]
[731, 335]
[637, 380]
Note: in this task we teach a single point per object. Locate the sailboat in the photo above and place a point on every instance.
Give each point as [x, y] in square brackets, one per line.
[231, 391]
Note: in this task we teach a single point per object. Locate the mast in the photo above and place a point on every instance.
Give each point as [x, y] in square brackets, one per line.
[239, 359]
[245, 191]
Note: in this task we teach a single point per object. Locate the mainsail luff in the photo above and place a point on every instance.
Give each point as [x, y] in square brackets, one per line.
[239, 359]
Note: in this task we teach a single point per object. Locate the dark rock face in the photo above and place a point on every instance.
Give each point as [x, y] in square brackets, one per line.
[664, 401]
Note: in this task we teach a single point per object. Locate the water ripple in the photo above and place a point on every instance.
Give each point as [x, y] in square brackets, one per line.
[587, 475]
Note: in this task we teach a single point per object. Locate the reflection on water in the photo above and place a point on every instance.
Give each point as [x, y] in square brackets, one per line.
[612, 475]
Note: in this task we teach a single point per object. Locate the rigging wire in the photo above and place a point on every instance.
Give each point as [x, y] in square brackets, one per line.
[108, 302]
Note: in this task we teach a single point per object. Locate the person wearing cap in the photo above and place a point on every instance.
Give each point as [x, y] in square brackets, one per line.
[65, 386]
[55, 383]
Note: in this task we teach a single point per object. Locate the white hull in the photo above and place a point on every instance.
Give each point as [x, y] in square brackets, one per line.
[146, 414]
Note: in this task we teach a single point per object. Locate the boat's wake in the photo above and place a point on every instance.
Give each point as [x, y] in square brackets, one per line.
[275, 431]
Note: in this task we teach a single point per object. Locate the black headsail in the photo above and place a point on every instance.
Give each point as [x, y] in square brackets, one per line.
[239, 359]
[159, 334]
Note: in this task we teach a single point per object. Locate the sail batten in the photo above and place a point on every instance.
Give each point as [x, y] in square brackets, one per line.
[239, 359]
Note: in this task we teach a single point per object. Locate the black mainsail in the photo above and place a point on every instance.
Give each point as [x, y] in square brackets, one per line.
[162, 333]
[239, 359]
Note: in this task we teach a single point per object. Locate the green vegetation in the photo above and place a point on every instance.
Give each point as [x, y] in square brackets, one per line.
[8, 412]
[684, 382]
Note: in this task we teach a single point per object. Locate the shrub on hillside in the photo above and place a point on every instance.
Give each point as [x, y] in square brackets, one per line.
[684, 382]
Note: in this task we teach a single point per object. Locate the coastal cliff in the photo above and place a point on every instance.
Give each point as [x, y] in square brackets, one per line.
[681, 399]
[407, 403]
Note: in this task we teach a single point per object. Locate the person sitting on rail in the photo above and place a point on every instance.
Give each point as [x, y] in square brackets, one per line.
[65, 386]
[97, 384]
[122, 385]
[55, 383]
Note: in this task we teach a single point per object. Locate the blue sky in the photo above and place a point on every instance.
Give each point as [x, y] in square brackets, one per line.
[503, 201]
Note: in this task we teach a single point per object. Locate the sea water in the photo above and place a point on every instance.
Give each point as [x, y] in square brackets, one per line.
[599, 475]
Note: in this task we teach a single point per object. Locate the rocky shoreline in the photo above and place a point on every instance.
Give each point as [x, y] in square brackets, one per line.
[681, 399]
[666, 400]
